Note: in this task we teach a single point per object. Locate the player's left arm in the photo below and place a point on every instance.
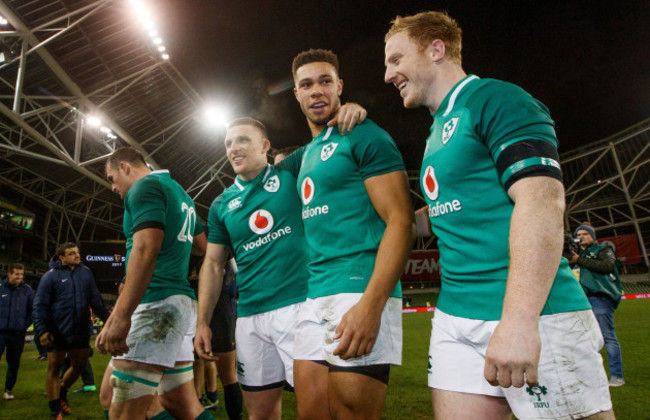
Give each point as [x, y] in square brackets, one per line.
[358, 329]
[142, 262]
[536, 239]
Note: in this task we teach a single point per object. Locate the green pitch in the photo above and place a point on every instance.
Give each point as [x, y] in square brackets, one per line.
[408, 395]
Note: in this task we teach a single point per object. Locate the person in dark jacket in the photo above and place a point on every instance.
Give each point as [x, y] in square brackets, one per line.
[599, 277]
[62, 320]
[16, 299]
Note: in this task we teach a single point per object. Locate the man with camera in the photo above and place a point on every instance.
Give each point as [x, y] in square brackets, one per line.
[599, 277]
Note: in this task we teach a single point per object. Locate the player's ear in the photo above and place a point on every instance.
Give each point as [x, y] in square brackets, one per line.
[125, 167]
[340, 87]
[266, 146]
[436, 50]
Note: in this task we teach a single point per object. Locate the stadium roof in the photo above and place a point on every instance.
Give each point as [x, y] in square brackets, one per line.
[79, 78]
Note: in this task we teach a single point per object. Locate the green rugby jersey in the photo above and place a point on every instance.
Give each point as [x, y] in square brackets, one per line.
[469, 208]
[342, 228]
[260, 220]
[156, 200]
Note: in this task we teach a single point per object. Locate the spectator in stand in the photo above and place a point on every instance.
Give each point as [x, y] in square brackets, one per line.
[16, 299]
[599, 277]
[62, 321]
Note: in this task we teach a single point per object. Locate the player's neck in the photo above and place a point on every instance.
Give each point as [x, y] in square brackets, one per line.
[252, 174]
[443, 84]
[315, 128]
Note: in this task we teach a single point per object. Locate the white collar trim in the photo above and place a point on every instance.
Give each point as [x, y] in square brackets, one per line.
[454, 95]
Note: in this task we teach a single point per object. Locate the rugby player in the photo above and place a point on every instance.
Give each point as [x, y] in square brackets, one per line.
[511, 331]
[151, 328]
[359, 230]
[259, 218]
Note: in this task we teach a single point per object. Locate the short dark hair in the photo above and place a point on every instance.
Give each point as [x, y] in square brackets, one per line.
[314, 56]
[252, 122]
[60, 250]
[15, 266]
[126, 154]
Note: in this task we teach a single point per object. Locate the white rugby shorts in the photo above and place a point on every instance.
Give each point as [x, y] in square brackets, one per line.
[320, 317]
[572, 381]
[265, 345]
[162, 332]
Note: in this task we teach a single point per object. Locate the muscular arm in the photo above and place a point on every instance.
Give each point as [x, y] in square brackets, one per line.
[534, 259]
[141, 265]
[210, 282]
[422, 222]
[142, 262]
[358, 329]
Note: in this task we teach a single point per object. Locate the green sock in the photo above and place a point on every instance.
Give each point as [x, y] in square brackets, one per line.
[106, 414]
[205, 415]
[163, 415]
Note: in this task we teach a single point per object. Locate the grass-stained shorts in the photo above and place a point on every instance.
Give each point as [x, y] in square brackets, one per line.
[162, 332]
[572, 381]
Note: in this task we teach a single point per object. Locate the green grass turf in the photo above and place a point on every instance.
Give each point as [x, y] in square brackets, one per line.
[408, 395]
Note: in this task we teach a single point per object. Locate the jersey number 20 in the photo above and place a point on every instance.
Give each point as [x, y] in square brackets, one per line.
[188, 226]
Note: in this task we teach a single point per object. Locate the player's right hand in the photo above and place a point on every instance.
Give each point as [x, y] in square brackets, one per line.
[203, 342]
[45, 339]
[112, 338]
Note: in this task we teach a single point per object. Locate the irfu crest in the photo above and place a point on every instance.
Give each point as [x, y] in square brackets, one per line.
[327, 151]
[448, 129]
[272, 184]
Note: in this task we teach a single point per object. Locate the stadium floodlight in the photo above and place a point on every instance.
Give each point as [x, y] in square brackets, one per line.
[216, 116]
[165, 56]
[93, 121]
[3, 21]
[153, 33]
[104, 129]
[161, 48]
[157, 40]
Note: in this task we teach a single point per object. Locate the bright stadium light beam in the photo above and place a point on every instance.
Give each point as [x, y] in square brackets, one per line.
[216, 116]
[165, 56]
[93, 121]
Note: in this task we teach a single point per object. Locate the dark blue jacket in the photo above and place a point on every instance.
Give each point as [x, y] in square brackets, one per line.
[62, 301]
[15, 306]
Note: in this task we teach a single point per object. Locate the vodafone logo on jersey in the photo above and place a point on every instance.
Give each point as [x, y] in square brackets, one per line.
[430, 183]
[260, 222]
[307, 191]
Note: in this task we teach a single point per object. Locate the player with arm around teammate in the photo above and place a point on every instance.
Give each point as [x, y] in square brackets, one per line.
[358, 222]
